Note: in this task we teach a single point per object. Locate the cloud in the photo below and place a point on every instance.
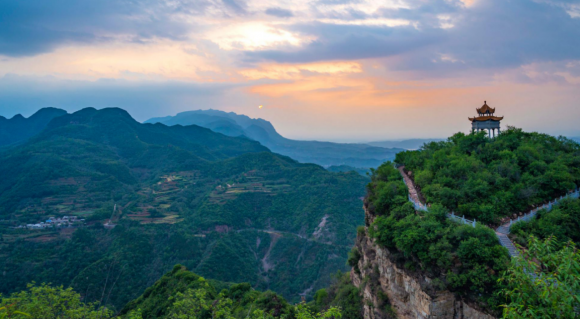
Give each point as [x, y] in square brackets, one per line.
[348, 42]
[486, 34]
[143, 99]
[279, 12]
[36, 26]
[237, 6]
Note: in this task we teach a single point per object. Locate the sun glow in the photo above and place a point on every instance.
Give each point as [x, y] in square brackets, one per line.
[253, 36]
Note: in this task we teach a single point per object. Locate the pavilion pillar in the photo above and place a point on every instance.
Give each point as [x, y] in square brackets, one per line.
[489, 133]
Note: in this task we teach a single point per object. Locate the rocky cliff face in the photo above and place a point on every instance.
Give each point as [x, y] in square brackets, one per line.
[390, 291]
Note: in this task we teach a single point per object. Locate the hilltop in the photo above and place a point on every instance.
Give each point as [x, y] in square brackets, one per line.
[19, 128]
[433, 263]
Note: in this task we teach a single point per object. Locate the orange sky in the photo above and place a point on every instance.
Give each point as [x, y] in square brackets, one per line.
[344, 71]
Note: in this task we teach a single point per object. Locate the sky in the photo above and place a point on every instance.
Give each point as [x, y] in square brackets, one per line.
[338, 70]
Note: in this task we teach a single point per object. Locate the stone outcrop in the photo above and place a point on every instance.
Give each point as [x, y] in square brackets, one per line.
[390, 291]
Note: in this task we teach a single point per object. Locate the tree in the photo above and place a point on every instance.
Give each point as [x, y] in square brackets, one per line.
[8, 312]
[302, 312]
[543, 282]
[195, 304]
[46, 302]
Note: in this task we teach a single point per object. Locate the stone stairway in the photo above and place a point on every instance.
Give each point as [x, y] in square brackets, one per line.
[504, 229]
[507, 243]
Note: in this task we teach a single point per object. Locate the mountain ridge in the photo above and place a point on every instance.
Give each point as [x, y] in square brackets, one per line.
[222, 206]
[319, 152]
[19, 128]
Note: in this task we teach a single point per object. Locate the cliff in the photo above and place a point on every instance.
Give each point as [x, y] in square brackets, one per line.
[391, 291]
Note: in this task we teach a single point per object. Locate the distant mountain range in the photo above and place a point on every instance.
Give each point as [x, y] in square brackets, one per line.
[357, 155]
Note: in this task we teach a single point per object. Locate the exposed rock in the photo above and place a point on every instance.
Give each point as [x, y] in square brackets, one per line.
[392, 292]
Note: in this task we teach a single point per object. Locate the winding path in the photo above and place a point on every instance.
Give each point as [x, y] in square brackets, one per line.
[501, 232]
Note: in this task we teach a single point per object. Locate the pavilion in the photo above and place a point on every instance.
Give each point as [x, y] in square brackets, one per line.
[486, 120]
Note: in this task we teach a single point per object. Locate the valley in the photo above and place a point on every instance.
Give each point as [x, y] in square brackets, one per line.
[225, 207]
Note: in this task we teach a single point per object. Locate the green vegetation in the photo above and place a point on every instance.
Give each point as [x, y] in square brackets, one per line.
[342, 294]
[562, 222]
[346, 168]
[49, 302]
[224, 207]
[488, 179]
[554, 290]
[461, 258]
[179, 294]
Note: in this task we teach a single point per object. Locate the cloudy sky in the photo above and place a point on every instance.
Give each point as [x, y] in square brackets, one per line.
[342, 70]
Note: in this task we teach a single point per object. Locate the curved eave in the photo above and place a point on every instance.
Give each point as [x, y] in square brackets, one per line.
[484, 110]
[485, 118]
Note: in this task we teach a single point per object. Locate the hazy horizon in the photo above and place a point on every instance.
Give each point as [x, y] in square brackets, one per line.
[322, 69]
[334, 140]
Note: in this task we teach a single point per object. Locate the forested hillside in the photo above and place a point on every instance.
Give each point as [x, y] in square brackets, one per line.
[486, 179]
[489, 179]
[225, 207]
[181, 293]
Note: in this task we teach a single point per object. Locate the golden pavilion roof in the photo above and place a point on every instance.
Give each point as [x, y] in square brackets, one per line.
[485, 114]
[485, 118]
[485, 109]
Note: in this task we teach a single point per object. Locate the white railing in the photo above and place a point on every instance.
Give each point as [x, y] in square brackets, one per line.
[417, 204]
[529, 216]
[461, 219]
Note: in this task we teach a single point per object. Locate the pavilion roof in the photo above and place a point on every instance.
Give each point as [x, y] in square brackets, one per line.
[485, 109]
[485, 118]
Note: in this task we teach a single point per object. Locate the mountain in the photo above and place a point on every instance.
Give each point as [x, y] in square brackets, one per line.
[159, 300]
[411, 144]
[19, 128]
[94, 152]
[469, 264]
[322, 153]
[225, 207]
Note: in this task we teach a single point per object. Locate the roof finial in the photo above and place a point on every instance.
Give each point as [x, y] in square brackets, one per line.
[484, 102]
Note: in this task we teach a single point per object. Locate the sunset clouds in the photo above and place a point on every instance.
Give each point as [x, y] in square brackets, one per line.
[333, 69]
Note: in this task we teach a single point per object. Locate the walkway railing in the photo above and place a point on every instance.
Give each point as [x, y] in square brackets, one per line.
[529, 216]
[462, 219]
[422, 207]
[417, 204]
[506, 227]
